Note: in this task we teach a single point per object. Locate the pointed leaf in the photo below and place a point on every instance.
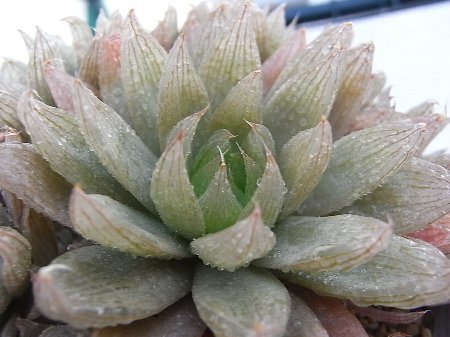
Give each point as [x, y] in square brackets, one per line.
[273, 66]
[327, 243]
[243, 103]
[219, 204]
[303, 99]
[208, 160]
[256, 143]
[15, 257]
[331, 40]
[88, 71]
[302, 162]
[350, 97]
[247, 302]
[41, 234]
[237, 245]
[8, 110]
[412, 198]
[96, 287]
[57, 137]
[407, 274]
[173, 193]
[13, 76]
[360, 162]
[167, 30]
[142, 60]
[60, 84]
[117, 146]
[112, 224]
[42, 50]
[25, 173]
[182, 92]
[269, 193]
[179, 320]
[233, 56]
[110, 80]
[81, 36]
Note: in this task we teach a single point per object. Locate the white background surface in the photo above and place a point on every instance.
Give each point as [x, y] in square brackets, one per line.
[412, 46]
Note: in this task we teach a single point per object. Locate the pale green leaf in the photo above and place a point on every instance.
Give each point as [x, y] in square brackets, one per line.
[232, 56]
[58, 138]
[356, 79]
[15, 258]
[88, 71]
[412, 198]
[81, 36]
[269, 192]
[302, 162]
[303, 99]
[302, 321]
[26, 174]
[117, 146]
[219, 205]
[337, 242]
[253, 172]
[13, 76]
[182, 92]
[360, 162]
[8, 110]
[42, 50]
[256, 143]
[97, 286]
[112, 224]
[237, 245]
[173, 193]
[327, 43]
[179, 320]
[243, 103]
[142, 59]
[247, 302]
[408, 274]
[166, 31]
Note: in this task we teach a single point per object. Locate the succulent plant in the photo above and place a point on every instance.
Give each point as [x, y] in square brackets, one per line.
[232, 160]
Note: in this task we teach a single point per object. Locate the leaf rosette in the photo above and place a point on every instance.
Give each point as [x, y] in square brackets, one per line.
[217, 160]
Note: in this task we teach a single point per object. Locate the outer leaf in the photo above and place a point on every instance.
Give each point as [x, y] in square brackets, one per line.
[88, 71]
[8, 110]
[302, 100]
[15, 257]
[173, 193]
[330, 41]
[25, 173]
[142, 60]
[407, 274]
[326, 243]
[167, 30]
[117, 146]
[57, 136]
[302, 162]
[269, 193]
[412, 198]
[248, 302]
[232, 57]
[60, 84]
[13, 76]
[110, 80]
[81, 36]
[85, 288]
[179, 320]
[356, 78]
[360, 162]
[243, 103]
[42, 50]
[302, 321]
[437, 233]
[182, 92]
[272, 67]
[220, 206]
[237, 245]
[112, 224]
